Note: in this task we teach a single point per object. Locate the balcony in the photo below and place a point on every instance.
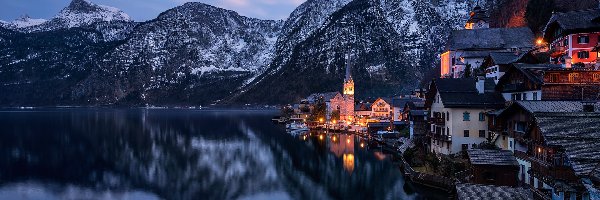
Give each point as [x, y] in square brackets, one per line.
[438, 121]
[557, 51]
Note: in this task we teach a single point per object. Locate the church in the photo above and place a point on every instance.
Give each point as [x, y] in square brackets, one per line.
[344, 103]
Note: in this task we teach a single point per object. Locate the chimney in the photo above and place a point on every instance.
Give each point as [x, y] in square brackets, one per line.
[480, 85]
[568, 62]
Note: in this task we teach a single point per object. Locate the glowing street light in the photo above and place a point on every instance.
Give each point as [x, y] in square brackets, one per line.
[539, 41]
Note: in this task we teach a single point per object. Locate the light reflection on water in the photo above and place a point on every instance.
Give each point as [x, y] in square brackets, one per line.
[182, 154]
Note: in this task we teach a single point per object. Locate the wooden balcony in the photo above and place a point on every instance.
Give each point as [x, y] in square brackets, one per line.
[438, 121]
[557, 51]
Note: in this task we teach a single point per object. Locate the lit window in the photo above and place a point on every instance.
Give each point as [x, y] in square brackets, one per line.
[574, 77]
[583, 54]
[596, 77]
[466, 116]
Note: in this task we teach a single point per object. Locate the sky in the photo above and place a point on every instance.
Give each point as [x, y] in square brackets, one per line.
[142, 10]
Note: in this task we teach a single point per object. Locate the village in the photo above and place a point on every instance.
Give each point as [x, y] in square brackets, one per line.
[513, 114]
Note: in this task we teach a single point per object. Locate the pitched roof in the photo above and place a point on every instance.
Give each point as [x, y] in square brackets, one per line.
[326, 96]
[492, 157]
[484, 192]
[490, 38]
[553, 106]
[462, 92]
[578, 134]
[534, 72]
[579, 20]
[505, 58]
[362, 107]
[401, 102]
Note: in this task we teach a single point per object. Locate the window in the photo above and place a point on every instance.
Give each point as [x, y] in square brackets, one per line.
[466, 116]
[535, 96]
[481, 116]
[482, 133]
[520, 127]
[447, 116]
[583, 54]
[554, 78]
[574, 77]
[466, 133]
[566, 42]
[596, 77]
[584, 39]
[524, 96]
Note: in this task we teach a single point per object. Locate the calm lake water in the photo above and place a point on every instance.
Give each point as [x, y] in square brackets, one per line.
[184, 154]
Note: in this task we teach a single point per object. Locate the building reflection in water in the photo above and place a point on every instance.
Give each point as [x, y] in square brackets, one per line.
[342, 145]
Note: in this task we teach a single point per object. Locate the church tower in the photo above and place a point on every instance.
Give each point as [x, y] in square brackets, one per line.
[478, 19]
[348, 82]
[347, 110]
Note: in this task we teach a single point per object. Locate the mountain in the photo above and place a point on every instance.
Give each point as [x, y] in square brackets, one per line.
[81, 13]
[183, 55]
[392, 44]
[22, 22]
[200, 54]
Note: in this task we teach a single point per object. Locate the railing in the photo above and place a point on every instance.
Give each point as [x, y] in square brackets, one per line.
[431, 180]
[438, 121]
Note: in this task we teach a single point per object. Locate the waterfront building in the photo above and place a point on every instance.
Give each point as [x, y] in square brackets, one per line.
[382, 109]
[344, 102]
[457, 113]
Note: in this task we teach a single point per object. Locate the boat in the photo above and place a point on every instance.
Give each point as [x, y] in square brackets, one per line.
[297, 126]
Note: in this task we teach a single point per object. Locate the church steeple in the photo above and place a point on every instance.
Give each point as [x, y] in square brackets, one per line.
[348, 66]
[348, 82]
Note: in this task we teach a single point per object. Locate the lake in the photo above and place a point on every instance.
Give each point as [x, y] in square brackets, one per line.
[103, 153]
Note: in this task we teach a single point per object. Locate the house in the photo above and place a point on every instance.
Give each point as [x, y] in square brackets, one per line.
[477, 191]
[572, 36]
[497, 63]
[382, 109]
[548, 82]
[416, 115]
[362, 112]
[552, 141]
[493, 167]
[398, 105]
[457, 113]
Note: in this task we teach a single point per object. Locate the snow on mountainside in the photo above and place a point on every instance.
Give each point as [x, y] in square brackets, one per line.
[201, 54]
[26, 21]
[82, 13]
[394, 43]
[187, 52]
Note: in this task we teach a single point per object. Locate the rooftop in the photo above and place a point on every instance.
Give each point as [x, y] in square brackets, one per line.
[553, 106]
[579, 20]
[490, 39]
[504, 58]
[461, 92]
[577, 134]
[476, 192]
[492, 157]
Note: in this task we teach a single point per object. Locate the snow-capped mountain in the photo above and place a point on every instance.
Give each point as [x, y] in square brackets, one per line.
[82, 13]
[393, 42]
[23, 22]
[183, 55]
[201, 54]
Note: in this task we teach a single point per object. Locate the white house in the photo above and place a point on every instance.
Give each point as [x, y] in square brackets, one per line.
[458, 110]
